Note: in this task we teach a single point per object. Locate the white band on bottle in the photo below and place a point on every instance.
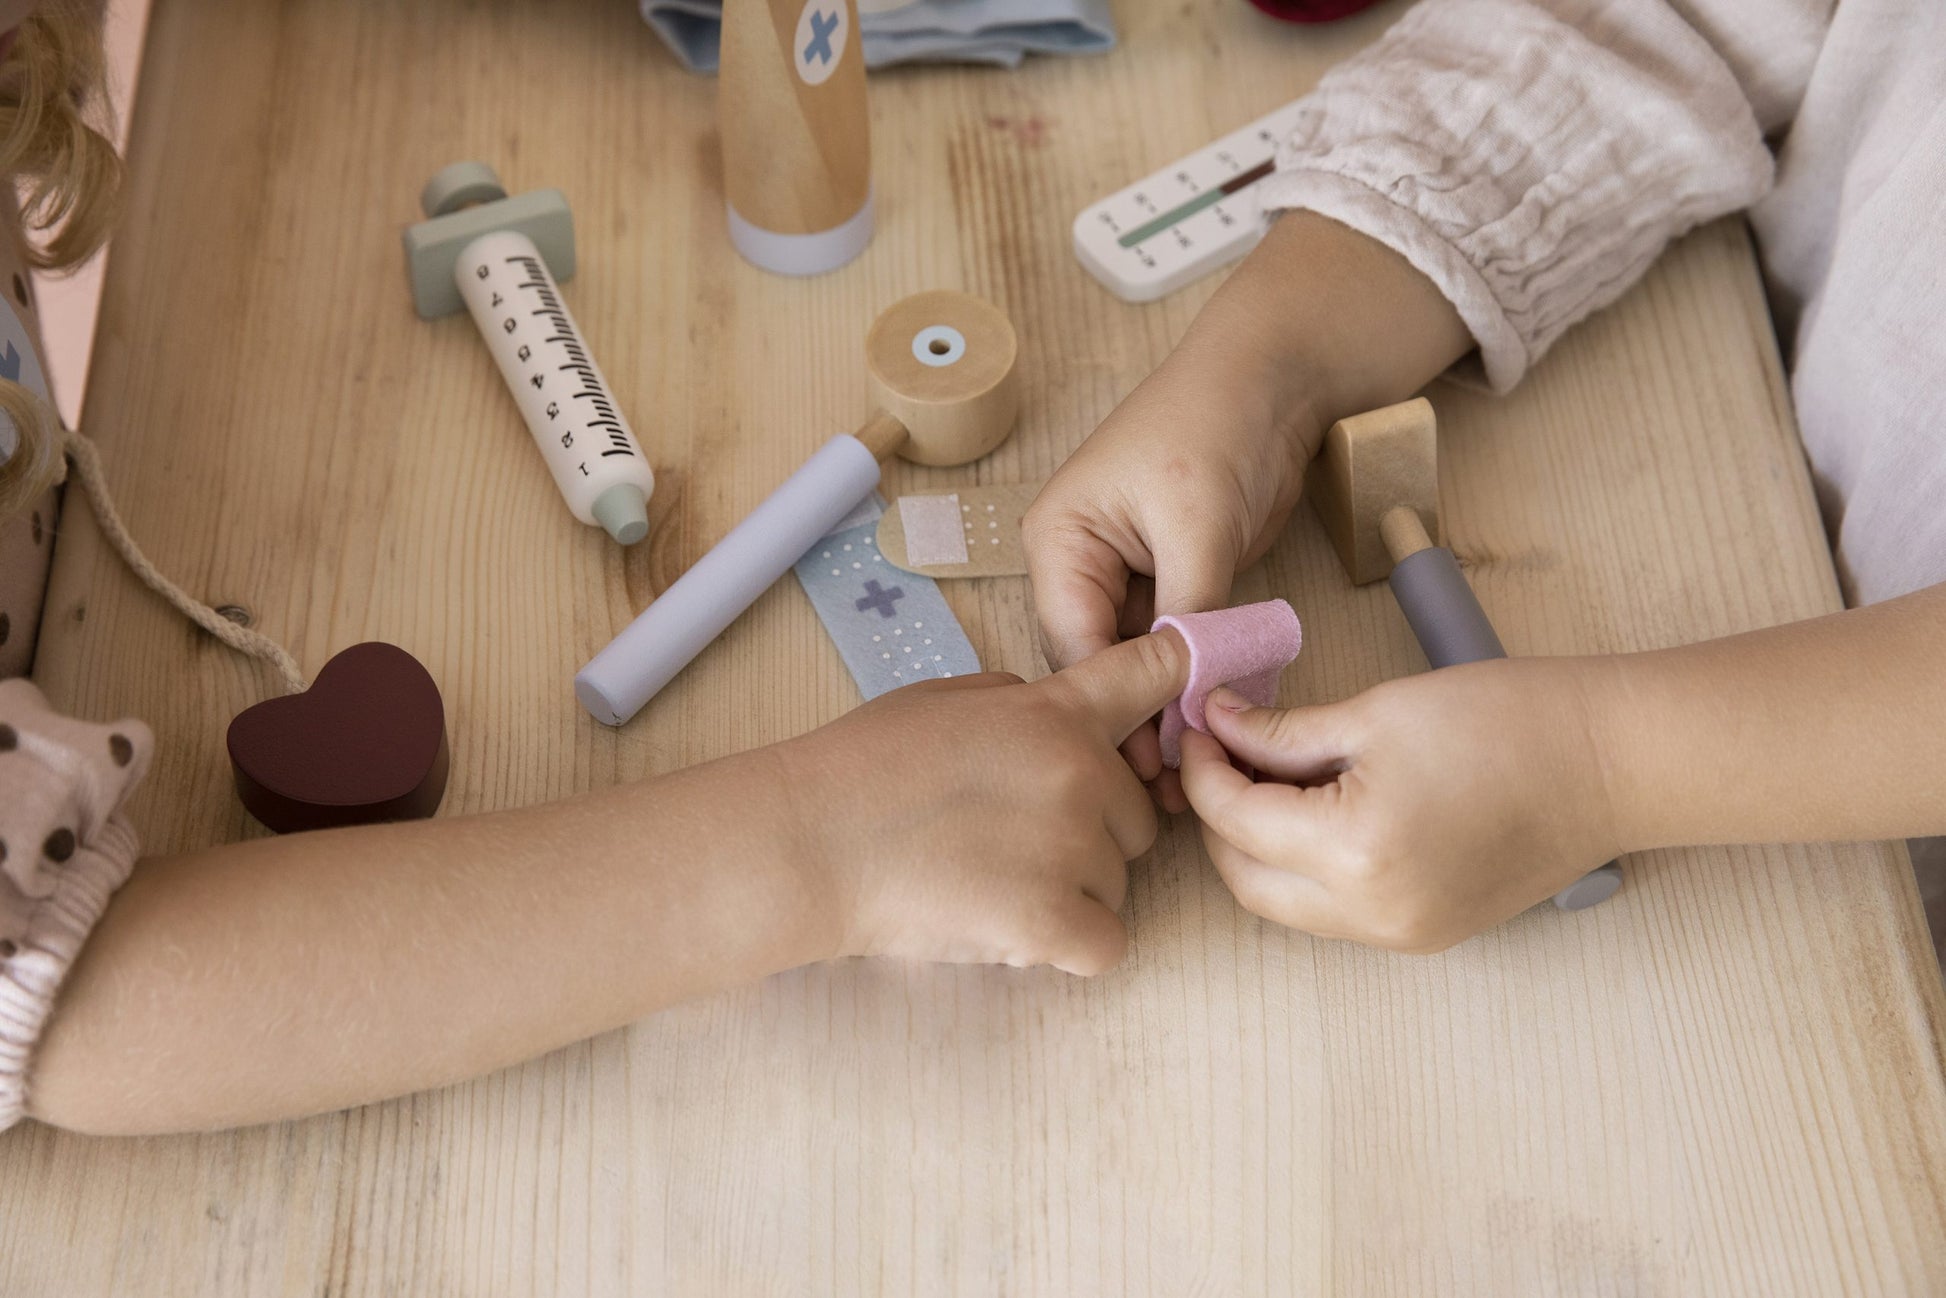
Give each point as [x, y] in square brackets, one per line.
[802, 254]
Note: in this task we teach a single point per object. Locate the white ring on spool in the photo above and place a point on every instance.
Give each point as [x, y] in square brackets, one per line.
[924, 352]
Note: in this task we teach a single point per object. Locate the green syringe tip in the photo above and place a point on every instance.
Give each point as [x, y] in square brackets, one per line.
[623, 513]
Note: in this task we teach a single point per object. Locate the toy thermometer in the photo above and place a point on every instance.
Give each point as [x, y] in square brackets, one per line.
[1195, 215]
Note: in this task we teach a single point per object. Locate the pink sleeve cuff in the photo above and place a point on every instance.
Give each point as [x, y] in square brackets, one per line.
[64, 849]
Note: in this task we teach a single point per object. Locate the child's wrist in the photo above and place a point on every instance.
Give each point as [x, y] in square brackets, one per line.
[1266, 385]
[1333, 322]
[820, 871]
[1612, 694]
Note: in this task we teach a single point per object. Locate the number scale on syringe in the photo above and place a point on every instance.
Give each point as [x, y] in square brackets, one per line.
[563, 397]
[1195, 215]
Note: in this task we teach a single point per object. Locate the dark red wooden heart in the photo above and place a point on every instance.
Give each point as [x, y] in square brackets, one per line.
[367, 742]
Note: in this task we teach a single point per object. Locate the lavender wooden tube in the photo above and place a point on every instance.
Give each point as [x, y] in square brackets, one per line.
[723, 583]
[1445, 617]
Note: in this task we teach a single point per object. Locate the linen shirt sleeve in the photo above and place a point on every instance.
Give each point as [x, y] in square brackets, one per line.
[1534, 157]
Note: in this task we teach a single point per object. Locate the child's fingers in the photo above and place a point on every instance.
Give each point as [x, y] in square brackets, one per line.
[1193, 571]
[1130, 814]
[1080, 583]
[1280, 896]
[1124, 686]
[1268, 821]
[1303, 744]
[1167, 790]
[1092, 939]
[1142, 750]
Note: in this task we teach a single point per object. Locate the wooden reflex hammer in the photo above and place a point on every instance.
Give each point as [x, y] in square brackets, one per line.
[942, 371]
[1375, 487]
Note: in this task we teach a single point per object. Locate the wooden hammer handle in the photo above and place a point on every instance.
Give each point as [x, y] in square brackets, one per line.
[1403, 532]
[883, 436]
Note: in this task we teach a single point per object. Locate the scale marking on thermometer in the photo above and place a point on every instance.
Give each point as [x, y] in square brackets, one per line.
[1193, 216]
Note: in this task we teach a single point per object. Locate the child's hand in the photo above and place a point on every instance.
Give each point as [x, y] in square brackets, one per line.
[1420, 812]
[984, 820]
[1192, 477]
[1187, 481]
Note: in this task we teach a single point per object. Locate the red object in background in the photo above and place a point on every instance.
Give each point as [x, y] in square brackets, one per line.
[1312, 11]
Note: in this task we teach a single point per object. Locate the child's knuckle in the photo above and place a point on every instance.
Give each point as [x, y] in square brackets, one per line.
[1281, 727]
[1399, 928]
[1158, 657]
[1068, 773]
[1261, 901]
[1044, 517]
[1361, 862]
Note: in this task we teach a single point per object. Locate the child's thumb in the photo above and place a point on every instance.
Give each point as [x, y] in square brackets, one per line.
[1287, 743]
[1124, 686]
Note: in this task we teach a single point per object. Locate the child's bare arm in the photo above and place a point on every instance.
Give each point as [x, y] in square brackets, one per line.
[1434, 806]
[976, 820]
[286, 976]
[1833, 728]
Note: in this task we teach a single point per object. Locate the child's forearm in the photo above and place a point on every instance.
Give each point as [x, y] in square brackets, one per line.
[294, 975]
[1829, 729]
[1329, 322]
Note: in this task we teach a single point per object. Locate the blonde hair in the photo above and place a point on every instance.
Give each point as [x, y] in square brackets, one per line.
[53, 148]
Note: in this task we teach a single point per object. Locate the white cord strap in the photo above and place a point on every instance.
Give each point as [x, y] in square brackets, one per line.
[87, 461]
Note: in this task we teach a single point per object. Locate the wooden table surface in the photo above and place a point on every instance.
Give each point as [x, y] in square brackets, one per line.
[1728, 1079]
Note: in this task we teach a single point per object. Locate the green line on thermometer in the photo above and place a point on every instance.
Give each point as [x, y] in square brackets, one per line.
[1208, 198]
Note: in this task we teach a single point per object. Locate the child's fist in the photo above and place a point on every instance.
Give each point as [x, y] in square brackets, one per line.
[1416, 814]
[984, 820]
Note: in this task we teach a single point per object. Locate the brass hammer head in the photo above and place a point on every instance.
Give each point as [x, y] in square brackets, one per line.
[1372, 464]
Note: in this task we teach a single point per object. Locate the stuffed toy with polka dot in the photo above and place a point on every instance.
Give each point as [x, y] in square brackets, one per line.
[48, 826]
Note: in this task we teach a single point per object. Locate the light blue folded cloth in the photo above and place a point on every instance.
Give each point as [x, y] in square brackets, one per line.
[1000, 32]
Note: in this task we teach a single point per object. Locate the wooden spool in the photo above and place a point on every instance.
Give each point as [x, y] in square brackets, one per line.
[943, 373]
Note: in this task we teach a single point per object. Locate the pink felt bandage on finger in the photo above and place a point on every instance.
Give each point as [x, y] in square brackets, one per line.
[1245, 648]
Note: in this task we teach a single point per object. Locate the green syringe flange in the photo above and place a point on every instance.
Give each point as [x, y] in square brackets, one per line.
[463, 202]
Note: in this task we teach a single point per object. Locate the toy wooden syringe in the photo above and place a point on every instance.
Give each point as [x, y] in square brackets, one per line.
[1375, 487]
[942, 370]
[502, 258]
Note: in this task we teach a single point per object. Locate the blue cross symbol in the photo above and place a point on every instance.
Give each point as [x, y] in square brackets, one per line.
[881, 600]
[823, 28]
